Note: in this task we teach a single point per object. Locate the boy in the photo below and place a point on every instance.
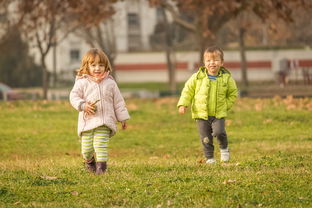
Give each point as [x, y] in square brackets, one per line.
[211, 92]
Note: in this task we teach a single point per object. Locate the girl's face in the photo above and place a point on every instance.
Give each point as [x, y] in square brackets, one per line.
[96, 68]
[213, 62]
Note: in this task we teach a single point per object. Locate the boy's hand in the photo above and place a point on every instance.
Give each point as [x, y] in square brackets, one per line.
[89, 108]
[124, 125]
[182, 109]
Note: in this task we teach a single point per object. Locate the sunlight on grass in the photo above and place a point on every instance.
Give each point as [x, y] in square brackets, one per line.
[158, 161]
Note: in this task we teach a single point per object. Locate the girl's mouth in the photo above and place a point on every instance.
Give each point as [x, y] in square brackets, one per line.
[97, 73]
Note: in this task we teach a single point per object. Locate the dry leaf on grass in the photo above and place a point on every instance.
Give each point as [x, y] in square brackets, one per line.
[201, 161]
[258, 107]
[267, 121]
[229, 181]
[228, 122]
[49, 177]
[17, 203]
[166, 100]
[227, 164]
[132, 106]
[74, 193]
[166, 156]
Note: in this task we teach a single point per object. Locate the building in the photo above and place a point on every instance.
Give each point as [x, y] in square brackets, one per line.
[133, 26]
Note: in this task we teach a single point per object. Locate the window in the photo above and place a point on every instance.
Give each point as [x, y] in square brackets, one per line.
[160, 15]
[133, 19]
[74, 55]
[134, 33]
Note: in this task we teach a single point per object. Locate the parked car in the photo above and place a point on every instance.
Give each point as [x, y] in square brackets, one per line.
[7, 93]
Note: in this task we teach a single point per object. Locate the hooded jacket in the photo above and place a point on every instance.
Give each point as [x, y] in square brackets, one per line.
[196, 93]
[110, 109]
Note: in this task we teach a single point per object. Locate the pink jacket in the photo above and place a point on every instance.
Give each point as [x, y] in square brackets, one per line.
[110, 109]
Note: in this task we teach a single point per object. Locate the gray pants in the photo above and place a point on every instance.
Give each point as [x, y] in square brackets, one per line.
[214, 127]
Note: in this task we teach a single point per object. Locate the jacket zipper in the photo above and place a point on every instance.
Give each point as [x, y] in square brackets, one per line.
[100, 92]
[217, 95]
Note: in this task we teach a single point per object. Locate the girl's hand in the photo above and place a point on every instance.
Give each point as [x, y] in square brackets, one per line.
[182, 109]
[89, 109]
[124, 125]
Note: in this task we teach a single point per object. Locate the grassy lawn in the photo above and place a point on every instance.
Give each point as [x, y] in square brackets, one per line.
[158, 161]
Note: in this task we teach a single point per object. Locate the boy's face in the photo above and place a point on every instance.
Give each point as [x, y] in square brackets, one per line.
[96, 68]
[213, 62]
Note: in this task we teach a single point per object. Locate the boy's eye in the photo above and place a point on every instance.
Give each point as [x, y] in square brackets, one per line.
[212, 60]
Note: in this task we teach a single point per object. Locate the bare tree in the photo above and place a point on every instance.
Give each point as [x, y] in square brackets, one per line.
[169, 47]
[40, 20]
[4, 17]
[101, 36]
[266, 10]
[169, 53]
[210, 15]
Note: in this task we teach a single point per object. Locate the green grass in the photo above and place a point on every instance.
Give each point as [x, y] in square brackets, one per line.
[157, 161]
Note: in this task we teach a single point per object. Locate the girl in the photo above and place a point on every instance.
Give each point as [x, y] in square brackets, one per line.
[97, 98]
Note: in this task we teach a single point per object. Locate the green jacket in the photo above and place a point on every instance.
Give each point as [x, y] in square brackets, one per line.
[196, 90]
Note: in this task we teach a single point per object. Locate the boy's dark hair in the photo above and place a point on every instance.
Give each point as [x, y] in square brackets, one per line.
[213, 49]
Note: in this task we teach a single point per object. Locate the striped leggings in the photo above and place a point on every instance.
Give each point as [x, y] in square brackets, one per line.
[95, 140]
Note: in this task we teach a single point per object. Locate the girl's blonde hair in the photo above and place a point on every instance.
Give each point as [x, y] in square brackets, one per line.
[89, 58]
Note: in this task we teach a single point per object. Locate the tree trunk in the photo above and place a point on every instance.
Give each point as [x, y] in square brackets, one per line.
[169, 54]
[171, 69]
[203, 43]
[112, 62]
[54, 66]
[106, 41]
[202, 47]
[45, 83]
[242, 50]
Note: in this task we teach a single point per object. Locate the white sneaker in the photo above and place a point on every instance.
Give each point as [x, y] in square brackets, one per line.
[225, 155]
[211, 161]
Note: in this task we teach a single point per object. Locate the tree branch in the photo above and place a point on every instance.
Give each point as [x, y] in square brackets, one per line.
[176, 17]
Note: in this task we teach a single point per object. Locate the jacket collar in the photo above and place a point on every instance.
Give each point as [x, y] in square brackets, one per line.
[87, 76]
[202, 72]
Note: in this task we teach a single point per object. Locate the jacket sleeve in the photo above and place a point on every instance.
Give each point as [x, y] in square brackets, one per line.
[120, 108]
[231, 93]
[76, 96]
[188, 92]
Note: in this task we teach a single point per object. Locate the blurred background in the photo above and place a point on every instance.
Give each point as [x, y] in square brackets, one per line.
[155, 45]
